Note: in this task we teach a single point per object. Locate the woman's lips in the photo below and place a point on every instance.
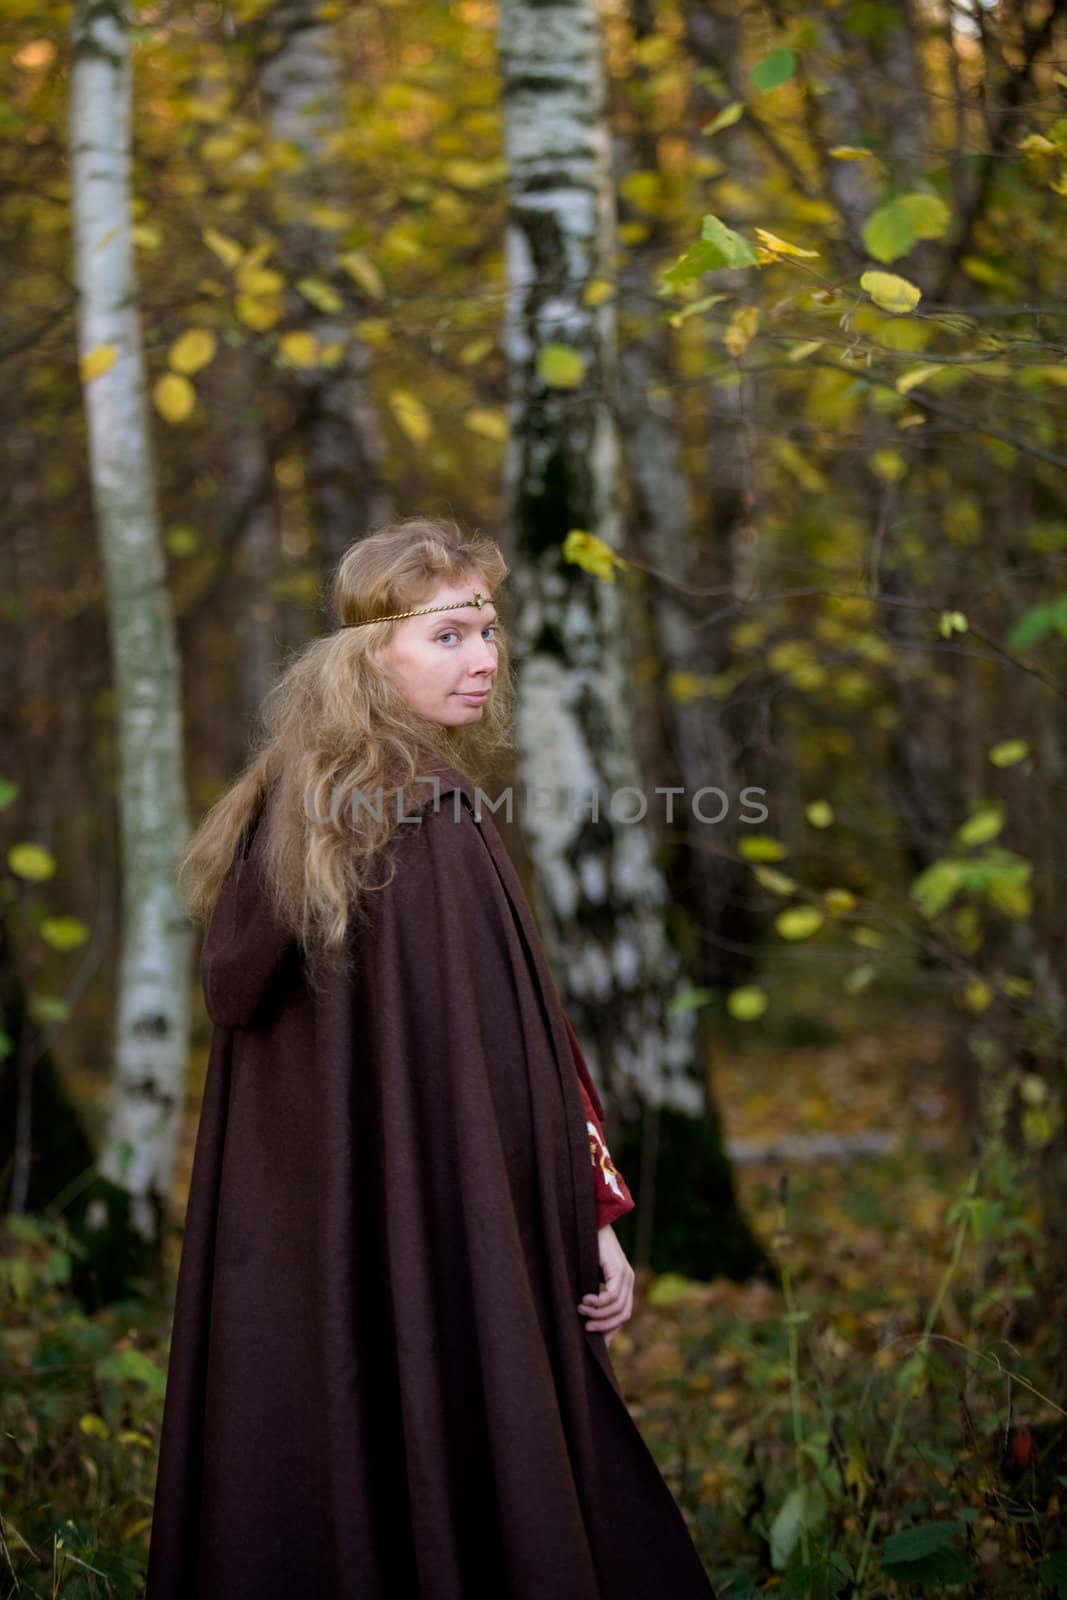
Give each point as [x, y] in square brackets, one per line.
[475, 694]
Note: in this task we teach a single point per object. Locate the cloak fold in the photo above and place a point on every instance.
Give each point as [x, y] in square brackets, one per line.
[379, 1381]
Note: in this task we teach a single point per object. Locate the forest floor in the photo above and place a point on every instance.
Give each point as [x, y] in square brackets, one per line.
[798, 1426]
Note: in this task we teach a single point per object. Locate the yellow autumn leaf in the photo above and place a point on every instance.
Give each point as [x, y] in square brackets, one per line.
[890, 292]
[330, 218]
[146, 235]
[777, 882]
[174, 397]
[746, 1003]
[759, 847]
[299, 349]
[193, 350]
[685, 687]
[741, 330]
[97, 362]
[981, 827]
[63, 933]
[322, 295]
[560, 366]
[799, 922]
[227, 250]
[800, 352]
[31, 861]
[590, 553]
[850, 152]
[411, 415]
[596, 291]
[361, 270]
[259, 280]
[258, 311]
[490, 423]
[476, 350]
[1009, 752]
[781, 247]
[820, 813]
[915, 375]
[838, 900]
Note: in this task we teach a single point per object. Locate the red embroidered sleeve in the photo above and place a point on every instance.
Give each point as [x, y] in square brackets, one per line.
[613, 1197]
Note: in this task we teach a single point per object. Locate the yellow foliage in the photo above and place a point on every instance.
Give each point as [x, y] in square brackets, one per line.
[590, 553]
[31, 861]
[299, 348]
[597, 291]
[781, 247]
[258, 311]
[799, 922]
[891, 292]
[491, 423]
[741, 330]
[361, 270]
[192, 350]
[174, 397]
[820, 813]
[227, 250]
[97, 362]
[411, 415]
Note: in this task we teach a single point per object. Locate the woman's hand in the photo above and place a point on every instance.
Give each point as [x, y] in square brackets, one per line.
[607, 1311]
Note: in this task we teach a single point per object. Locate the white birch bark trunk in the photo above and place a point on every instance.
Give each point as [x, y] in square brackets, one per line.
[152, 1008]
[602, 897]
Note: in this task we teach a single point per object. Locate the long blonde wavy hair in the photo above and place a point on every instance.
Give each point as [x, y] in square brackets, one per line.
[335, 725]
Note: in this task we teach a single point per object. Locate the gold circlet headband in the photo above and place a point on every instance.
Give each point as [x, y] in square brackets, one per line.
[394, 616]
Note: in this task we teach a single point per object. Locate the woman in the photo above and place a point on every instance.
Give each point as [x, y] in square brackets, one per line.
[389, 1370]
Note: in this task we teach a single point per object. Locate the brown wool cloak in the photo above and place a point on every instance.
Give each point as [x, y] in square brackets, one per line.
[379, 1381]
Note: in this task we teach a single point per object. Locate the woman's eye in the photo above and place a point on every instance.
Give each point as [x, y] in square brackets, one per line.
[447, 635]
[490, 627]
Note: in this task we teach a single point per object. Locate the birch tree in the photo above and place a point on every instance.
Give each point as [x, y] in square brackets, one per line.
[602, 897]
[152, 1007]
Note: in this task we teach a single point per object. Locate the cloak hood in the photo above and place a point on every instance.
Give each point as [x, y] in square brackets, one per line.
[247, 953]
[245, 946]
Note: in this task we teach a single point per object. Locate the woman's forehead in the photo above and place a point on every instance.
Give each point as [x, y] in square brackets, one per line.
[460, 595]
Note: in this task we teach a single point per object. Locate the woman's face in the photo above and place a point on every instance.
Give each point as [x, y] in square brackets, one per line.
[444, 664]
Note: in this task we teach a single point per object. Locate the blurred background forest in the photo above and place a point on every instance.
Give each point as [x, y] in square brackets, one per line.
[742, 326]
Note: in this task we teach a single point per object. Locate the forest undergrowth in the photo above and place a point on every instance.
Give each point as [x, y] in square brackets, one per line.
[886, 1421]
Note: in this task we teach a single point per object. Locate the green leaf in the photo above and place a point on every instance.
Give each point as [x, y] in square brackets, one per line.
[888, 232]
[934, 888]
[911, 1544]
[560, 367]
[1009, 752]
[133, 1366]
[928, 214]
[689, 999]
[747, 1003]
[799, 922]
[49, 1008]
[31, 861]
[802, 1509]
[64, 933]
[693, 263]
[8, 792]
[982, 827]
[940, 1568]
[734, 248]
[774, 70]
[1033, 626]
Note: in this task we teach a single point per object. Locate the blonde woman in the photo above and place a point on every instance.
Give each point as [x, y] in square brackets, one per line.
[389, 1372]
